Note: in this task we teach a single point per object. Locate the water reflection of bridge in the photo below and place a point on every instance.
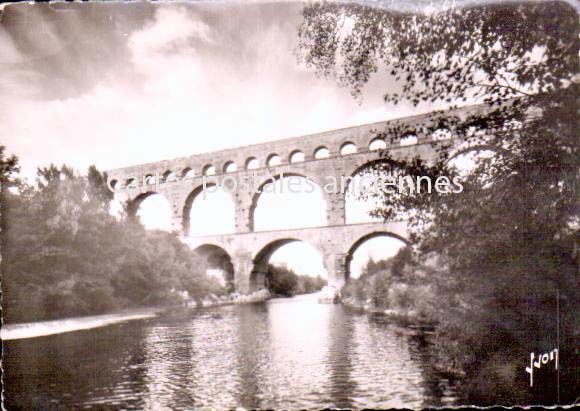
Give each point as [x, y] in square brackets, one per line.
[317, 158]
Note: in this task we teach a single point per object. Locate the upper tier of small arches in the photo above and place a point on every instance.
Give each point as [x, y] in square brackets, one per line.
[274, 159]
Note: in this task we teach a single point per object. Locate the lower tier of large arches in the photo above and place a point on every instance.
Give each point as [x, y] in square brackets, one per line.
[249, 253]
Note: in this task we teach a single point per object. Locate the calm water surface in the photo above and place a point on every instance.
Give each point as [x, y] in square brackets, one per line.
[283, 354]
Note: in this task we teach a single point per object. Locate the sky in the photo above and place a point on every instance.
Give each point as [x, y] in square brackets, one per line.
[122, 84]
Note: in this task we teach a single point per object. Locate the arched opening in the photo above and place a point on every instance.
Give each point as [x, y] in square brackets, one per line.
[218, 265]
[150, 179]
[371, 253]
[274, 160]
[169, 177]
[209, 210]
[364, 192]
[377, 144]
[347, 148]
[409, 140]
[466, 161]
[288, 267]
[208, 170]
[187, 172]
[297, 156]
[153, 210]
[131, 182]
[321, 152]
[289, 202]
[252, 163]
[230, 167]
[441, 134]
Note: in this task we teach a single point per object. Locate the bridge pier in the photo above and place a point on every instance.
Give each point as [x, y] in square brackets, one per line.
[335, 209]
[243, 266]
[335, 265]
[177, 222]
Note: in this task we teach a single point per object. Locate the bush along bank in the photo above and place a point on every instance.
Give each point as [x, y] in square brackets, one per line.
[404, 292]
[394, 288]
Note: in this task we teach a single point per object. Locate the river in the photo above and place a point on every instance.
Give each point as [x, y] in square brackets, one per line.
[283, 354]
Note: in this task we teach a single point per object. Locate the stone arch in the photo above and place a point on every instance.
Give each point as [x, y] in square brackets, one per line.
[273, 160]
[230, 167]
[296, 156]
[133, 204]
[169, 176]
[360, 166]
[363, 239]
[441, 134]
[352, 205]
[158, 218]
[187, 172]
[188, 204]
[131, 182]
[217, 258]
[465, 149]
[321, 152]
[272, 179]
[262, 258]
[208, 170]
[114, 183]
[150, 179]
[377, 143]
[408, 140]
[468, 164]
[252, 163]
[348, 147]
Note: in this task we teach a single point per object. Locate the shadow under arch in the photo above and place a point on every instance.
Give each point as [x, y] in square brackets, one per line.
[217, 258]
[272, 179]
[355, 246]
[262, 258]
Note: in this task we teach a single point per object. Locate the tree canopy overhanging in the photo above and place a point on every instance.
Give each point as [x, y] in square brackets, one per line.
[506, 245]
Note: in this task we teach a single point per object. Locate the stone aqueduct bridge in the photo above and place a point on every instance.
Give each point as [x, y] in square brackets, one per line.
[316, 157]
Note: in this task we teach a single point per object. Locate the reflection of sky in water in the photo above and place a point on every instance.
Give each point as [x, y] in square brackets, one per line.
[284, 354]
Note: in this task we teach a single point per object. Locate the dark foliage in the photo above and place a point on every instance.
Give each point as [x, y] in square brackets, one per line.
[64, 255]
[282, 281]
[506, 247]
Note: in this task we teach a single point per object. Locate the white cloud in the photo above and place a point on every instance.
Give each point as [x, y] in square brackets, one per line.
[196, 87]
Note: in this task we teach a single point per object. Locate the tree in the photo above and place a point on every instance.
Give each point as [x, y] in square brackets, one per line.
[505, 244]
[64, 255]
[281, 280]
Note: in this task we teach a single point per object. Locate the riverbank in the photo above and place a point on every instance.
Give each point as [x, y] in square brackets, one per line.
[64, 325]
[234, 298]
[44, 328]
[412, 324]
[405, 318]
